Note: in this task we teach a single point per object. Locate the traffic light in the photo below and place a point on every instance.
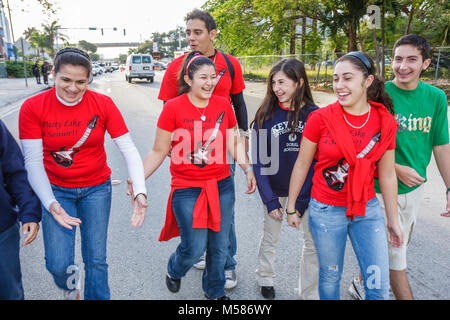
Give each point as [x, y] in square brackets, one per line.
[115, 29]
[124, 33]
[92, 28]
[102, 31]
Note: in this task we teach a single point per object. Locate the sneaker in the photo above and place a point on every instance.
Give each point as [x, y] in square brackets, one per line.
[219, 298]
[200, 264]
[173, 284]
[356, 289]
[268, 292]
[72, 295]
[230, 279]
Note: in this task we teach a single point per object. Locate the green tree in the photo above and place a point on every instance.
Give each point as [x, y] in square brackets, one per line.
[53, 34]
[87, 46]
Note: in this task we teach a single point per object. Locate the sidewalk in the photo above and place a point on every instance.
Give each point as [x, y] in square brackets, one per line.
[14, 90]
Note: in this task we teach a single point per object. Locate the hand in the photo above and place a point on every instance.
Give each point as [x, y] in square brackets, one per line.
[130, 191]
[139, 208]
[61, 216]
[32, 228]
[277, 214]
[447, 214]
[395, 235]
[251, 182]
[294, 220]
[408, 176]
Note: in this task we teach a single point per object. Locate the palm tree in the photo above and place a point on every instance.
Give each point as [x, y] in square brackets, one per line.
[53, 34]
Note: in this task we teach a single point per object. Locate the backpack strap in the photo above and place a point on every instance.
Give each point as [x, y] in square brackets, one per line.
[229, 65]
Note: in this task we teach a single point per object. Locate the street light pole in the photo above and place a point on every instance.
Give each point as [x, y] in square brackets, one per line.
[10, 21]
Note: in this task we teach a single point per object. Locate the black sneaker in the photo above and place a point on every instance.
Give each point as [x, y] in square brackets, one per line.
[268, 292]
[173, 284]
[219, 298]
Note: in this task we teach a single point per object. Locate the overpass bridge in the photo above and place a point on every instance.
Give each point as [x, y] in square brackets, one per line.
[117, 44]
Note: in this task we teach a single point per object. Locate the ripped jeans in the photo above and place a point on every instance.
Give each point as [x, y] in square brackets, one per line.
[329, 227]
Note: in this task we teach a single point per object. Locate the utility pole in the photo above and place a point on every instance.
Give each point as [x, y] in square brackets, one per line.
[10, 21]
[179, 38]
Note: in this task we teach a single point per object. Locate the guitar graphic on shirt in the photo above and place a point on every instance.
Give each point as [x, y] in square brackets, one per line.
[335, 176]
[199, 156]
[64, 157]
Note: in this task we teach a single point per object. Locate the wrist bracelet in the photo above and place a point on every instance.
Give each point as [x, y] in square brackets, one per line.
[250, 168]
[291, 213]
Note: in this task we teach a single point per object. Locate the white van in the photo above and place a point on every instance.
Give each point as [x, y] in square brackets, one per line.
[139, 66]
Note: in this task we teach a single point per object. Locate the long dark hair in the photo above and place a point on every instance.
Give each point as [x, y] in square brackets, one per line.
[200, 60]
[294, 70]
[376, 91]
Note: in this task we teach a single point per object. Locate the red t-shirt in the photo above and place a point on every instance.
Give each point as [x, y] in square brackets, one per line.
[330, 171]
[72, 137]
[182, 118]
[225, 87]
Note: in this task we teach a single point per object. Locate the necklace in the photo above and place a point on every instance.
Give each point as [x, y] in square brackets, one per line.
[202, 114]
[365, 122]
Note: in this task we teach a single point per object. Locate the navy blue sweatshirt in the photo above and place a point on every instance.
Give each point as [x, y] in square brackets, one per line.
[273, 168]
[17, 199]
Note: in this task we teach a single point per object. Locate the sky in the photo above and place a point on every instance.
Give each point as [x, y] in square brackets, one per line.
[140, 18]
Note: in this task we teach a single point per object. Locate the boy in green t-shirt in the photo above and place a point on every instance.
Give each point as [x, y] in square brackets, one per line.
[421, 113]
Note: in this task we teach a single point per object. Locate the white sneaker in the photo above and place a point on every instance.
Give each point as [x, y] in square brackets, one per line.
[231, 279]
[356, 289]
[200, 264]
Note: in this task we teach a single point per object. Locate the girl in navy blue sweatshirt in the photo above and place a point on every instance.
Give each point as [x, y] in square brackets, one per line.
[276, 135]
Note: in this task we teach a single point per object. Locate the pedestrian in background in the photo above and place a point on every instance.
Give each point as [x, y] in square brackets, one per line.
[62, 131]
[200, 127]
[17, 203]
[351, 139]
[46, 69]
[279, 121]
[201, 31]
[36, 73]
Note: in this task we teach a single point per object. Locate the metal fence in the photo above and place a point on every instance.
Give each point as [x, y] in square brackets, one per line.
[319, 67]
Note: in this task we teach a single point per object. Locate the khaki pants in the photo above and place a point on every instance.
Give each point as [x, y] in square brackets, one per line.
[309, 266]
[408, 210]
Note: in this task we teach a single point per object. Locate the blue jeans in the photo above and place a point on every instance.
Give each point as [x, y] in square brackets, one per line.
[232, 246]
[92, 206]
[329, 227]
[10, 274]
[195, 241]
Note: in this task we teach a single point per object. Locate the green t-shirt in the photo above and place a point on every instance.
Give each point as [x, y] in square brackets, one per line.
[421, 115]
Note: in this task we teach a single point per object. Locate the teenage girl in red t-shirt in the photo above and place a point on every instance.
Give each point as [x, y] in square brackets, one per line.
[62, 132]
[351, 140]
[199, 127]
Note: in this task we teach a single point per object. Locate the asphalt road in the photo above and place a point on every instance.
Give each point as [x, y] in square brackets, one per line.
[137, 261]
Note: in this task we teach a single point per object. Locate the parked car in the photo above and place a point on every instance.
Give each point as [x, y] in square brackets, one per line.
[96, 70]
[139, 66]
[159, 65]
[115, 66]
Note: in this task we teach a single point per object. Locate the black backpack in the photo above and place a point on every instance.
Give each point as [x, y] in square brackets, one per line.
[229, 66]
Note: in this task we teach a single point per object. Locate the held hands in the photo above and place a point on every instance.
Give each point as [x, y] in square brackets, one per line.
[139, 204]
[61, 216]
[277, 214]
[32, 229]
